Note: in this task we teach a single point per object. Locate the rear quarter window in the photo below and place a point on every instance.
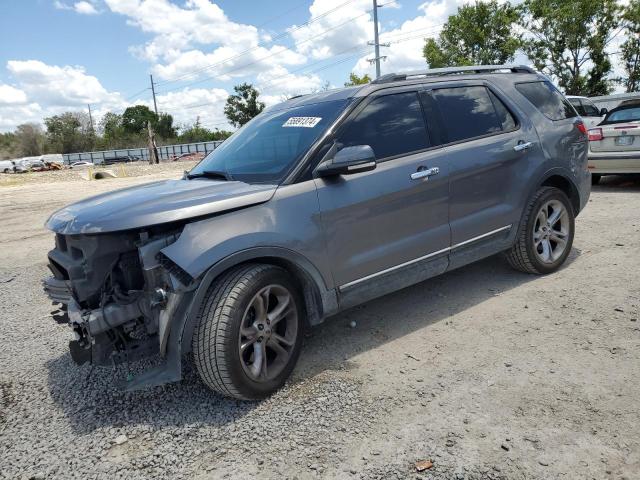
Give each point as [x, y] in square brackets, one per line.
[470, 112]
[546, 98]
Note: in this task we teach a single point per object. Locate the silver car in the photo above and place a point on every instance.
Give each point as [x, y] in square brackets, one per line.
[318, 204]
[614, 145]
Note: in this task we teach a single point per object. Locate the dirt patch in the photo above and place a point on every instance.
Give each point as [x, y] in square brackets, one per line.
[486, 372]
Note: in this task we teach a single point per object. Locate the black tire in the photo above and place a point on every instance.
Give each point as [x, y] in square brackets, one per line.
[522, 255]
[215, 341]
[595, 178]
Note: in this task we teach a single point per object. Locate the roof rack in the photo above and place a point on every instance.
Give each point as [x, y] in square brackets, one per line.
[396, 77]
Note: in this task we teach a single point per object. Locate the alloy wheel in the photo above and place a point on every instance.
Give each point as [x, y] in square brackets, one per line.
[268, 333]
[551, 231]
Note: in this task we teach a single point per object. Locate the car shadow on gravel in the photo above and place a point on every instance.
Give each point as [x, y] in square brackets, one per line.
[92, 399]
[393, 316]
[618, 183]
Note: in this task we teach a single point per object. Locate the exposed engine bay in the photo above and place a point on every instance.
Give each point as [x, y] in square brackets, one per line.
[117, 292]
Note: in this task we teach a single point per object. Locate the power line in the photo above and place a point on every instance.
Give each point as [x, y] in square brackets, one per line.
[360, 50]
[131, 97]
[259, 45]
[267, 56]
[270, 20]
[273, 81]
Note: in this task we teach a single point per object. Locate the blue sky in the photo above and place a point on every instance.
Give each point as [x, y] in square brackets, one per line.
[102, 51]
[60, 55]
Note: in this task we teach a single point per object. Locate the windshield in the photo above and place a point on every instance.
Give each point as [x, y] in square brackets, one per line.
[625, 115]
[266, 148]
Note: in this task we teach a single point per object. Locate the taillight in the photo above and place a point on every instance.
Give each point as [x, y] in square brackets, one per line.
[580, 126]
[595, 134]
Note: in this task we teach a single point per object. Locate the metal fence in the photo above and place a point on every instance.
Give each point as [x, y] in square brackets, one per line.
[165, 152]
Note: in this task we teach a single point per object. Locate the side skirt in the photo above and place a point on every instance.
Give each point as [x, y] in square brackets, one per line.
[423, 268]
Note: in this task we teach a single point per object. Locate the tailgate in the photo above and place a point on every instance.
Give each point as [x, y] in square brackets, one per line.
[617, 138]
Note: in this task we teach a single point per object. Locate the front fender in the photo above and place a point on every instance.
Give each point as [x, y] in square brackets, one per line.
[315, 290]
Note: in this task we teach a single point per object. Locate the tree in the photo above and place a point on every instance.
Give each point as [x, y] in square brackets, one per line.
[569, 39]
[243, 106]
[164, 126]
[356, 80]
[69, 132]
[479, 34]
[134, 119]
[630, 49]
[111, 126]
[8, 145]
[198, 133]
[30, 139]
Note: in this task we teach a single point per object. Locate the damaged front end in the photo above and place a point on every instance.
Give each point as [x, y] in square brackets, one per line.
[119, 294]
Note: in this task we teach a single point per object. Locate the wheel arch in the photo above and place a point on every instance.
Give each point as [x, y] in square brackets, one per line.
[319, 300]
[558, 179]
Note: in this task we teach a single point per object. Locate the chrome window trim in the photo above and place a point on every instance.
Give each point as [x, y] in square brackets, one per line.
[424, 257]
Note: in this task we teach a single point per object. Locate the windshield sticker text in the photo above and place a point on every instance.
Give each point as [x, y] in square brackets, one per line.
[305, 122]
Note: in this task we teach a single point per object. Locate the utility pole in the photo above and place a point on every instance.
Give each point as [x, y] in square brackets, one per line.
[376, 40]
[90, 117]
[153, 91]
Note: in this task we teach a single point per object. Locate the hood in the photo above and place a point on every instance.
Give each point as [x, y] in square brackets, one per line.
[155, 203]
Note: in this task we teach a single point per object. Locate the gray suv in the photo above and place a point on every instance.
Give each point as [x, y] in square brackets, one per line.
[318, 204]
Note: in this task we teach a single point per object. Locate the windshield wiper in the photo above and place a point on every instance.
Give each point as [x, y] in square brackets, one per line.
[210, 174]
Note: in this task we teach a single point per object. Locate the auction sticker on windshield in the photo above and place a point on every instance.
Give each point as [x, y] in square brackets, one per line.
[305, 122]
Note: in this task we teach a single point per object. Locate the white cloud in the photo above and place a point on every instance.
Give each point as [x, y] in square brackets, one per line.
[186, 106]
[200, 22]
[13, 115]
[342, 28]
[83, 7]
[41, 90]
[198, 40]
[11, 96]
[278, 83]
[226, 62]
[407, 41]
[59, 86]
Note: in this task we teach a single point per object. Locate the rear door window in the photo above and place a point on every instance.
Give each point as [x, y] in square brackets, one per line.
[469, 112]
[590, 110]
[546, 98]
[577, 105]
[391, 125]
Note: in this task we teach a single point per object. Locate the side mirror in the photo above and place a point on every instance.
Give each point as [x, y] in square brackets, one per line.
[355, 159]
[603, 112]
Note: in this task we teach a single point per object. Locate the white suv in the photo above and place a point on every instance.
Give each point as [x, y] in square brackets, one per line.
[591, 115]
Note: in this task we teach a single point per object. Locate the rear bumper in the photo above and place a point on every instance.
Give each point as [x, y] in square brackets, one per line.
[602, 163]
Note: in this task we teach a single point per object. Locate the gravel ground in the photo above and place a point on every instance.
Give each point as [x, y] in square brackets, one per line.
[487, 372]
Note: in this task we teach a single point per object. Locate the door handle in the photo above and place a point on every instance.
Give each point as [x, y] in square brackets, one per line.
[425, 173]
[523, 146]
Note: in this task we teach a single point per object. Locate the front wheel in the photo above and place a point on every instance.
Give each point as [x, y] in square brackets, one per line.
[249, 334]
[545, 234]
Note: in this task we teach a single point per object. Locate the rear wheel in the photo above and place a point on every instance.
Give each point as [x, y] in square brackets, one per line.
[545, 234]
[595, 178]
[249, 334]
